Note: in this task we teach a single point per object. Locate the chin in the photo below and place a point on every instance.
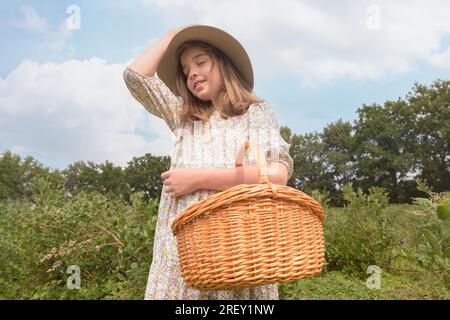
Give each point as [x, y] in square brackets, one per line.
[204, 98]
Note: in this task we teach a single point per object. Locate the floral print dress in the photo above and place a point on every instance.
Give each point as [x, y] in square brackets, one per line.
[214, 145]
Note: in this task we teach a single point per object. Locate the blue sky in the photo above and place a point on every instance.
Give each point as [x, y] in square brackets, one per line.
[62, 97]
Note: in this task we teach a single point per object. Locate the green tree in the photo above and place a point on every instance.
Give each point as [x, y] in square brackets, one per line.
[309, 163]
[431, 126]
[381, 156]
[112, 179]
[81, 176]
[338, 143]
[144, 174]
[105, 178]
[286, 133]
[17, 176]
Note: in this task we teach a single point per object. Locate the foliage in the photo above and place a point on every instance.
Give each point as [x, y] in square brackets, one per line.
[387, 146]
[110, 242]
[432, 250]
[338, 145]
[361, 234]
[323, 197]
[309, 170]
[141, 174]
[17, 174]
[144, 174]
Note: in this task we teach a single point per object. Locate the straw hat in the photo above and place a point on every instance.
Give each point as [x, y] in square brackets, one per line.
[220, 39]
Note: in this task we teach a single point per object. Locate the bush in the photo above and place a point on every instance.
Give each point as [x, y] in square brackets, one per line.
[431, 250]
[323, 197]
[109, 241]
[361, 234]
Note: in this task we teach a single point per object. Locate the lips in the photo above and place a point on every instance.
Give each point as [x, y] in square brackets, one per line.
[197, 84]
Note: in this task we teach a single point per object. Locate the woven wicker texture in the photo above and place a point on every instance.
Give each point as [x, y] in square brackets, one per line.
[250, 234]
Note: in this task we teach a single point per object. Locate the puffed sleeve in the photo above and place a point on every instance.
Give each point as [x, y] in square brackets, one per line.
[265, 131]
[155, 96]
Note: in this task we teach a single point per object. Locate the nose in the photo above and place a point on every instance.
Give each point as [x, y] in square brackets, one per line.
[191, 75]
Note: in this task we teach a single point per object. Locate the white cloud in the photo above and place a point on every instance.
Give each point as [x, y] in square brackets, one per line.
[31, 20]
[324, 40]
[76, 110]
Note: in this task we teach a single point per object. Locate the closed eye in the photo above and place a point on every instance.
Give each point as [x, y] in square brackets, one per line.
[199, 63]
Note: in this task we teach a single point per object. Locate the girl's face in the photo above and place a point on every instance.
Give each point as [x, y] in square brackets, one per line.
[202, 78]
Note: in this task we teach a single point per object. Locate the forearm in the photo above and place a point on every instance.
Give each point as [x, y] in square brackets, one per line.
[223, 179]
[147, 62]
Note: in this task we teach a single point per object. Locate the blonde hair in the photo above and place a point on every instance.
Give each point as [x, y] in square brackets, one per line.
[232, 99]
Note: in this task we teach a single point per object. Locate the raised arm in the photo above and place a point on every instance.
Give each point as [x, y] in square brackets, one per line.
[147, 62]
[143, 84]
[148, 89]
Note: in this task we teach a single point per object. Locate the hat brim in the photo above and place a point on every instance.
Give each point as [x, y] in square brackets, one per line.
[220, 39]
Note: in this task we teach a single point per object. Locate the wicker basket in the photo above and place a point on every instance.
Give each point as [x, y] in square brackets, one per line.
[250, 234]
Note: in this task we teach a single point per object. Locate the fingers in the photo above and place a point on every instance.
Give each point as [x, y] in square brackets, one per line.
[165, 175]
[166, 185]
[171, 193]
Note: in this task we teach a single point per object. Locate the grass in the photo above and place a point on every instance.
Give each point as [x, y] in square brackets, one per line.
[336, 285]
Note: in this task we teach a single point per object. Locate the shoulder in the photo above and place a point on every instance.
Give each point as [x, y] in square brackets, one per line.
[258, 106]
[135, 80]
[262, 111]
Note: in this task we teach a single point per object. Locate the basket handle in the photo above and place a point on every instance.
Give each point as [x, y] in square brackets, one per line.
[261, 162]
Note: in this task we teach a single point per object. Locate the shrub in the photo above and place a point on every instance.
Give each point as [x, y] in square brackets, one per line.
[323, 197]
[432, 248]
[361, 234]
[109, 241]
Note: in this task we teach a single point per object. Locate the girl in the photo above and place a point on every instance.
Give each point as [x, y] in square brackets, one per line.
[204, 93]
